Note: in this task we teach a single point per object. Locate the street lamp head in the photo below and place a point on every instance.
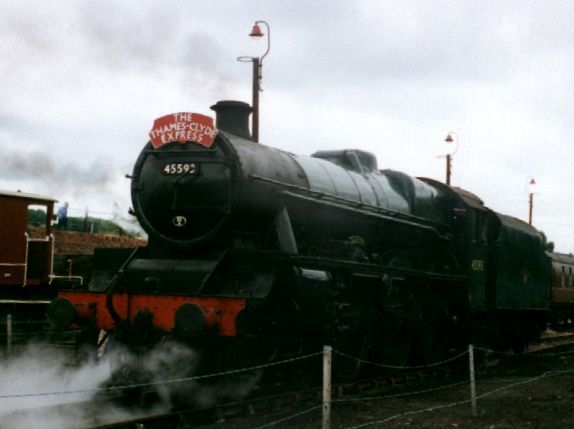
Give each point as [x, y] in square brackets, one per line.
[452, 137]
[256, 32]
[531, 186]
[450, 154]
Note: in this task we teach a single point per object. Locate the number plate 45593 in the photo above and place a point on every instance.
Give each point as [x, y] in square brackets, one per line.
[179, 168]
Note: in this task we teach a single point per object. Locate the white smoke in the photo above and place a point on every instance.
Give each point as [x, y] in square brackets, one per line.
[39, 370]
[41, 387]
[128, 223]
[234, 388]
[168, 371]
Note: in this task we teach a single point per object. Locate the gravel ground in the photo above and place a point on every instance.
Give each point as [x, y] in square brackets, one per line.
[520, 392]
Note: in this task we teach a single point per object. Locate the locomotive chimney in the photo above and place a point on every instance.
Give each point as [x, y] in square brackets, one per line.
[233, 117]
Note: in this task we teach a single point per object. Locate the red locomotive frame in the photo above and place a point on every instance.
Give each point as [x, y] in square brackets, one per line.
[220, 314]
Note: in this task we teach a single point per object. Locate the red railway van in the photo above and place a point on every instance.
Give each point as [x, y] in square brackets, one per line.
[25, 259]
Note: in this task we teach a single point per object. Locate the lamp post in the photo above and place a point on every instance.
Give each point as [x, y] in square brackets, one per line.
[449, 155]
[256, 33]
[530, 189]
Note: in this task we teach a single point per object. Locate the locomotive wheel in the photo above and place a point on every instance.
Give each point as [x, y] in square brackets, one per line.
[432, 337]
[393, 341]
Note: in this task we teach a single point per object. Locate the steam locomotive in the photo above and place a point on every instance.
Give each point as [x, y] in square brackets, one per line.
[255, 253]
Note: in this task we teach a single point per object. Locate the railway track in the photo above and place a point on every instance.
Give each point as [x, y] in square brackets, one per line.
[552, 340]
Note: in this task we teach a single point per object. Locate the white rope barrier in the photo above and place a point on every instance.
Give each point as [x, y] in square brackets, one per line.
[291, 417]
[327, 401]
[399, 395]
[462, 402]
[380, 365]
[162, 382]
[472, 379]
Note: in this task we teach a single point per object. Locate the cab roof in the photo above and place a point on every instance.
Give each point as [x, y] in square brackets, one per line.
[25, 196]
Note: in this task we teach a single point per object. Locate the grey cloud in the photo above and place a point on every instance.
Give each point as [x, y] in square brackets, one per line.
[85, 79]
[150, 38]
[61, 175]
[10, 122]
[436, 41]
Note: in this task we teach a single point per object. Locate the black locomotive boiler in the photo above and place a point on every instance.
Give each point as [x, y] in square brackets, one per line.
[255, 253]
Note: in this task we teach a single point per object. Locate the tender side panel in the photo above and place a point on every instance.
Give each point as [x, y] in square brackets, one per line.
[523, 268]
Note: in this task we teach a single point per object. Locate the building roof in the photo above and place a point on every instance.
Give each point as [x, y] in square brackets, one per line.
[25, 196]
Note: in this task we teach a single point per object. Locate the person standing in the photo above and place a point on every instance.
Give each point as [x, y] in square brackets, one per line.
[63, 216]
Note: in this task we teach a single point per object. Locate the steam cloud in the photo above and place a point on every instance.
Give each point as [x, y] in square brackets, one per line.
[168, 371]
[127, 223]
[37, 378]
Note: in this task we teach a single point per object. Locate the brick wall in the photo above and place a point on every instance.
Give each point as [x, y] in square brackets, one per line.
[83, 243]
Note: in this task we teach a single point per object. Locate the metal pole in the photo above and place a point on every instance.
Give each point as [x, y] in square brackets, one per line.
[530, 204]
[448, 168]
[9, 334]
[472, 379]
[327, 358]
[86, 221]
[256, 89]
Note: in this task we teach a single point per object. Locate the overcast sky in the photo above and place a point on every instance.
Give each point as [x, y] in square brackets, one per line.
[82, 81]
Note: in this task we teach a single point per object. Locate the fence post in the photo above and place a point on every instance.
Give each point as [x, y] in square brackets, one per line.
[472, 379]
[327, 358]
[9, 334]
